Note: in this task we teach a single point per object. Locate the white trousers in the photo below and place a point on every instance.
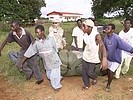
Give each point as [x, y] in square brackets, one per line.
[55, 76]
[126, 61]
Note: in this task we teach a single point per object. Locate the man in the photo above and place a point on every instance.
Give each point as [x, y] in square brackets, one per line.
[77, 34]
[23, 38]
[93, 43]
[46, 47]
[58, 33]
[114, 45]
[127, 35]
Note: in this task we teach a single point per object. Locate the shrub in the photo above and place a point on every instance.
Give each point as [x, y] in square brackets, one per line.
[4, 27]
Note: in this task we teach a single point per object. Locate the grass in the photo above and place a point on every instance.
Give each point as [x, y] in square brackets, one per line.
[9, 70]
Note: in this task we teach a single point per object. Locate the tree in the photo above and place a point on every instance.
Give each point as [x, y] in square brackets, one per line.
[103, 6]
[24, 10]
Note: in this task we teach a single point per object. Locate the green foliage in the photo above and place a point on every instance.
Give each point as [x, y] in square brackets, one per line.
[103, 6]
[130, 72]
[4, 27]
[9, 70]
[24, 10]
[117, 23]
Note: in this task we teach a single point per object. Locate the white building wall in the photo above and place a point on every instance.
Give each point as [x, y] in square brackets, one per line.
[65, 17]
[52, 17]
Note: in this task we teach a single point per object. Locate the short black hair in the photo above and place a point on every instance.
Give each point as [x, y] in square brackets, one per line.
[79, 20]
[127, 19]
[112, 25]
[16, 22]
[41, 27]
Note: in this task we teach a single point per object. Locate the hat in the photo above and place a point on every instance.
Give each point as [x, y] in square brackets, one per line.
[57, 20]
[89, 22]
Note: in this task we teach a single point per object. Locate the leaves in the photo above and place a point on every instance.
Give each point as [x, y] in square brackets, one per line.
[24, 10]
[103, 6]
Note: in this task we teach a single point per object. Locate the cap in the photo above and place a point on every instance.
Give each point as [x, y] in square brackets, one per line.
[57, 20]
[89, 22]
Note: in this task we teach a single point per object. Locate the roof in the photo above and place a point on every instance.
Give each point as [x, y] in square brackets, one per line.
[61, 13]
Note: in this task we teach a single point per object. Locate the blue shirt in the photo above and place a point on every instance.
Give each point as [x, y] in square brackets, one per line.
[114, 45]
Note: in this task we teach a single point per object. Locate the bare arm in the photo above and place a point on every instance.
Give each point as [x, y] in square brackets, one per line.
[23, 60]
[102, 51]
[75, 39]
[20, 65]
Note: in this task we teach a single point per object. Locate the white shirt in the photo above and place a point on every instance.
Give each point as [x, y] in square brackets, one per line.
[77, 32]
[128, 38]
[90, 53]
[47, 50]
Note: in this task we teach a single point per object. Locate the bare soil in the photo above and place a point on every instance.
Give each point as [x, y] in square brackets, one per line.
[122, 89]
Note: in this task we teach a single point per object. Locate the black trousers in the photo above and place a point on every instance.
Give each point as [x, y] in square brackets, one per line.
[88, 71]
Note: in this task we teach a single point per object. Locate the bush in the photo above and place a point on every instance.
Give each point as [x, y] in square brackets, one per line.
[5, 27]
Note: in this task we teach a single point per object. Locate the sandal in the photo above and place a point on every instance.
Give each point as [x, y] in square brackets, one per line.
[108, 89]
[94, 82]
[57, 90]
[85, 88]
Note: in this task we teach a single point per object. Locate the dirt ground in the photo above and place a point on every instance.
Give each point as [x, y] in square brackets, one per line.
[122, 89]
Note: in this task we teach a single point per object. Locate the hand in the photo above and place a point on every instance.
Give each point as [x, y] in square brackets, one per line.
[77, 48]
[20, 66]
[104, 64]
[131, 50]
[64, 46]
[59, 49]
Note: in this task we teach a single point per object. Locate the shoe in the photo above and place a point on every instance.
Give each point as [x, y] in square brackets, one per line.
[85, 88]
[57, 90]
[29, 77]
[39, 82]
[108, 89]
[94, 82]
[61, 79]
[117, 77]
[125, 72]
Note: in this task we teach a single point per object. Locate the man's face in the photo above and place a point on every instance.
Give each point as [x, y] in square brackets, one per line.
[127, 24]
[14, 27]
[79, 23]
[108, 29]
[87, 29]
[38, 33]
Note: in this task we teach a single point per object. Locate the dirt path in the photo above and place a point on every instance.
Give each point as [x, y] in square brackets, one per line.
[8, 91]
[121, 90]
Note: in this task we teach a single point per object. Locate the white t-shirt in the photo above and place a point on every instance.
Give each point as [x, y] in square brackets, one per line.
[128, 38]
[79, 34]
[90, 53]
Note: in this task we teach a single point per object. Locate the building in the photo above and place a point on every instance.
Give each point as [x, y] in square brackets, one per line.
[64, 16]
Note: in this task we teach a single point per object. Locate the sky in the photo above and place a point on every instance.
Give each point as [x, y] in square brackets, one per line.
[74, 6]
